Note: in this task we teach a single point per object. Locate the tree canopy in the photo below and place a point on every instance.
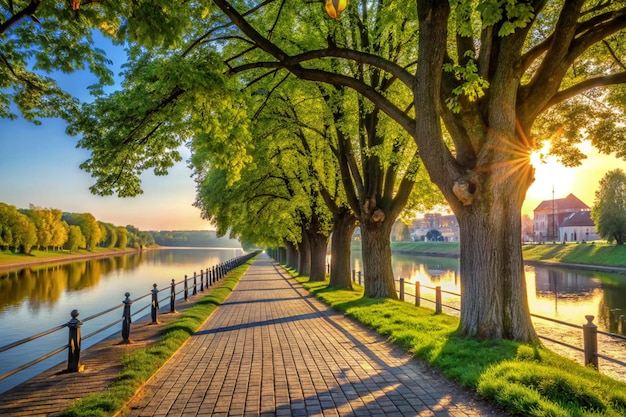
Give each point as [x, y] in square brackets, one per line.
[476, 85]
[609, 209]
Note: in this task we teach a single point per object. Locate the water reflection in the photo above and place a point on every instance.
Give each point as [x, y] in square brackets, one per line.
[43, 286]
[560, 293]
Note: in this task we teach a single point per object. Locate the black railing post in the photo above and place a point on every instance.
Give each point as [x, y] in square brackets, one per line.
[359, 277]
[201, 279]
[214, 273]
[208, 278]
[590, 338]
[155, 304]
[195, 284]
[126, 319]
[73, 351]
[186, 286]
[173, 296]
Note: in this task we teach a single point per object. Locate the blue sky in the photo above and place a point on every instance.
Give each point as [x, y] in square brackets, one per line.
[39, 165]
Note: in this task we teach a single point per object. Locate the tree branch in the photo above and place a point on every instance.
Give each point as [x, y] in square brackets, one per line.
[27, 11]
[288, 63]
[613, 79]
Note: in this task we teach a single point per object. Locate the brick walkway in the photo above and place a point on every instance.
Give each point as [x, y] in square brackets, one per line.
[273, 350]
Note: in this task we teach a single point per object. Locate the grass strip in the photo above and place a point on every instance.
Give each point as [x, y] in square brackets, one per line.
[141, 364]
[522, 379]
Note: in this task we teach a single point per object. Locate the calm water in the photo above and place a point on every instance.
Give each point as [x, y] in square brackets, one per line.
[38, 299]
[560, 293]
[34, 300]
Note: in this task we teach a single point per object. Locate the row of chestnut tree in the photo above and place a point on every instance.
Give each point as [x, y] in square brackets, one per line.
[22, 230]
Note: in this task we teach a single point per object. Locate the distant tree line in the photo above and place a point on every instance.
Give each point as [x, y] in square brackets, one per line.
[21, 230]
[194, 238]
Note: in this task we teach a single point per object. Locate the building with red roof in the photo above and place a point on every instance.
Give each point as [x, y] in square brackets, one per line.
[563, 219]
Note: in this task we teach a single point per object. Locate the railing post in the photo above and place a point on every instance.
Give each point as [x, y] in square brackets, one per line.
[359, 277]
[155, 304]
[126, 319]
[438, 299]
[195, 284]
[73, 351]
[590, 338]
[214, 273]
[208, 278]
[418, 293]
[173, 296]
[186, 286]
[401, 289]
[201, 279]
[353, 275]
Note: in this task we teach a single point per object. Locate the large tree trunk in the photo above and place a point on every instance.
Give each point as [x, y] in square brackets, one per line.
[341, 239]
[376, 254]
[292, 255]
[304, 252]
[493, 284]
[318, 245]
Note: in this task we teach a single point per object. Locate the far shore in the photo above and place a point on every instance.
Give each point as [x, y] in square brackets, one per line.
[7, 264]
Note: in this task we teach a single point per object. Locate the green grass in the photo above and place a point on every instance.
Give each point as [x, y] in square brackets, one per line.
[427, 247]
[523, 379]
[140, 365]
[583, 253]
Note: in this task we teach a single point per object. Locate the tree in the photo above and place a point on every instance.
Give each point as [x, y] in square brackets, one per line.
[40, 37]
[89, 227]
[75, 239]
[49, 226]
[122, 237]
[609, 209]
[491, 80]
[434, 235]
[17, 231]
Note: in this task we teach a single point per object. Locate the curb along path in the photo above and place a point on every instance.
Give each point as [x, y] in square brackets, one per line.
[272, 349]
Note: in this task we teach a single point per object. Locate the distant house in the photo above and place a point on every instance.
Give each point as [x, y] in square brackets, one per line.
[446, 225]
[577, 227]
[550, 220]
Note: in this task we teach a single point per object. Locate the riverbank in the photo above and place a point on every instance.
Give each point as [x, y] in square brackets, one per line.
[590, 256]
[12, 261]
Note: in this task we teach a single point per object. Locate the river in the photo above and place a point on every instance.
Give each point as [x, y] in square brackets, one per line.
[38, 298]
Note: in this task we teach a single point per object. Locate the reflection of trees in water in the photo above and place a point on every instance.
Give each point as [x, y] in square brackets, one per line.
[44, 285]
[565, 284]
[612, 309]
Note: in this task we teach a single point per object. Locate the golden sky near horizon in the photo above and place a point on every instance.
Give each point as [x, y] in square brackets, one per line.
[582, 181]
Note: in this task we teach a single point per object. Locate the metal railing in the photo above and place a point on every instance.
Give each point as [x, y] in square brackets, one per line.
[589, 330]
[204, 280]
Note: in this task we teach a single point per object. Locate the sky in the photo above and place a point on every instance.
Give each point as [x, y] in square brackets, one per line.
[39, 165]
